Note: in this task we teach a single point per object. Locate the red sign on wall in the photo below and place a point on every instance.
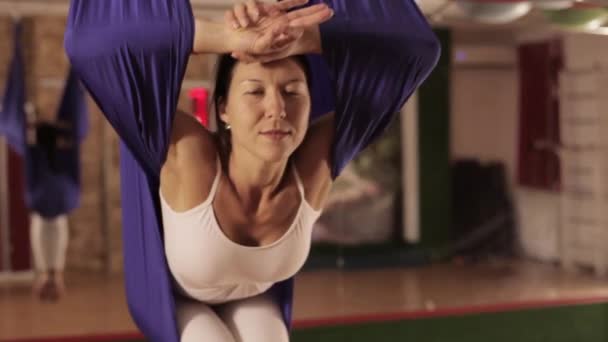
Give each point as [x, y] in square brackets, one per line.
[199, 97]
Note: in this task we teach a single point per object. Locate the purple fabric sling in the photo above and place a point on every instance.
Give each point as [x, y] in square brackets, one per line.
[12, 113]
[132, 54]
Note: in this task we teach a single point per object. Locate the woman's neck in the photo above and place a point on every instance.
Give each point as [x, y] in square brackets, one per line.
[255, 179]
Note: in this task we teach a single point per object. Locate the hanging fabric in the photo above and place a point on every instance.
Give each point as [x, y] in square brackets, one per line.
[132, 55]
[12, 113]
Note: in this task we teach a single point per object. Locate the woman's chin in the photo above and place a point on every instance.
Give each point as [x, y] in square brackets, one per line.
[275, 154]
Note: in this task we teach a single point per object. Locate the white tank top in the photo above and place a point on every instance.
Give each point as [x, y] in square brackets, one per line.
[211, 268]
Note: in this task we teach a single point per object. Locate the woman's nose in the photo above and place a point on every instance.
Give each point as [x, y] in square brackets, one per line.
[275, 106]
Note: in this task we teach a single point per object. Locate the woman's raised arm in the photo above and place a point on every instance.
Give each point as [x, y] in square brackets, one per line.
[132, 58]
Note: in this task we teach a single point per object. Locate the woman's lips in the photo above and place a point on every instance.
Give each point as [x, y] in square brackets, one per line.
[275, 134]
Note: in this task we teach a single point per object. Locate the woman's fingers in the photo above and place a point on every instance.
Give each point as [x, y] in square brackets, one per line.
[289, 4]
[247, 14]
[282, 41]
[240, 12]
[308, 16]
[253, 10]
[266, 42]
[231, 19]
[278, 8]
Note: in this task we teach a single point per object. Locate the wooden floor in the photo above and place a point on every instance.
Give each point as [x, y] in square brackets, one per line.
[95, 304]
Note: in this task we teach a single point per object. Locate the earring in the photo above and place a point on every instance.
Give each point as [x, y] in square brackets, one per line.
[227, 127]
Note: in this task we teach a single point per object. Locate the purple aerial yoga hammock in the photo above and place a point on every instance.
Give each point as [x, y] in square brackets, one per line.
[52, 174]
[132, 55]
[12, 113]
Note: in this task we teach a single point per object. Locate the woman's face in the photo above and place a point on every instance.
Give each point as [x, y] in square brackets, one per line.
[267, 108]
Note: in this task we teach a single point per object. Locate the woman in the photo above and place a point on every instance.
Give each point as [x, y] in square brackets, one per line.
[52, 163]
[51, 153]
[49, 233]
[238, 205]
[243, 200]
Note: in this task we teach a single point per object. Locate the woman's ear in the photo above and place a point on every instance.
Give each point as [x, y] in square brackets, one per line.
[222, 110]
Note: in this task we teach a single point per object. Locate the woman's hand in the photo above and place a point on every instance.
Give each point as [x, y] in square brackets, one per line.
[266, 31]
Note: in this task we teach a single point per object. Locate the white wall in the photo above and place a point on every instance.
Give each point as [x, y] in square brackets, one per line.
[585, 51]
[485, 122]
[485, 115]
[538, 222]
[484, 125]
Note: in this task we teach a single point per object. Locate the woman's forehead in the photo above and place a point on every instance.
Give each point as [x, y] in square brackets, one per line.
[281, 70]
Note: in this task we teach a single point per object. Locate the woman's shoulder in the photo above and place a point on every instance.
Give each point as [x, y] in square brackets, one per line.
[191, 165]
[192, 148]
[191, 141]
[313, 160]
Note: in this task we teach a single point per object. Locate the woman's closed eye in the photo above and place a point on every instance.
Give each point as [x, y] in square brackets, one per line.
[292, 93]
[255, 92]
[294, 90]
[261, 92]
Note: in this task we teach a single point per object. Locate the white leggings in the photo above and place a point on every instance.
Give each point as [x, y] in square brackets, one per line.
[49, 241]
[255, 319]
